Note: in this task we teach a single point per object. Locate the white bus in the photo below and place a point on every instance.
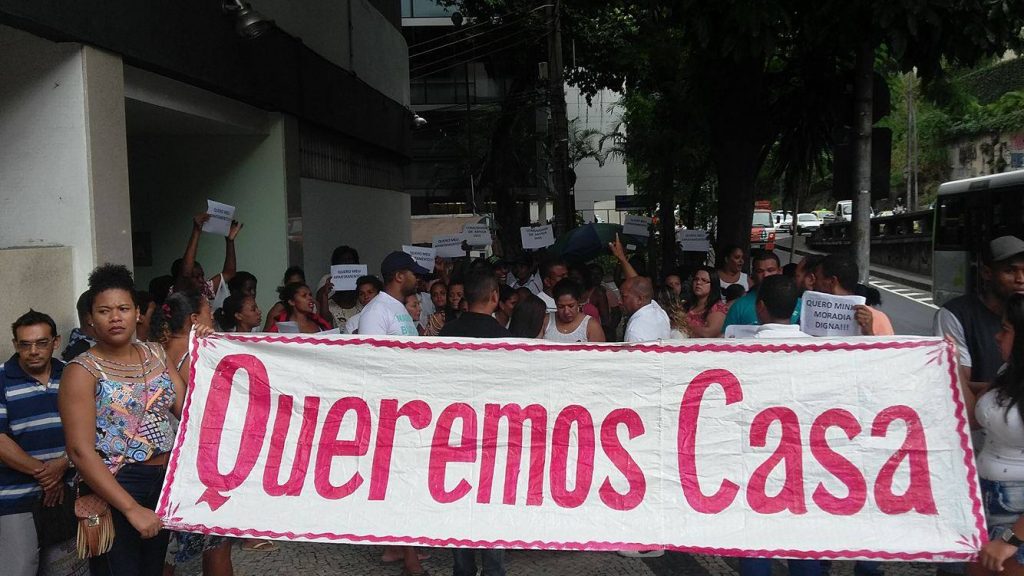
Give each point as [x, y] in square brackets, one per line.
[968, 215]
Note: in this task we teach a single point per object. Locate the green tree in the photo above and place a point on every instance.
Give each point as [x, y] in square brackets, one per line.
[746, 58]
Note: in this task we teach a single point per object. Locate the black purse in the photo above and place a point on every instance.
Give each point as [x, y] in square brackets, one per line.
[56, 524]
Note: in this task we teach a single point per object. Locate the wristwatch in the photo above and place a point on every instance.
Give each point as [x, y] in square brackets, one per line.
[1010, 538]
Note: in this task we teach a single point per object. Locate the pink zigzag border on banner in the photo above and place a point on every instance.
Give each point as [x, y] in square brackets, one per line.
[965, 445]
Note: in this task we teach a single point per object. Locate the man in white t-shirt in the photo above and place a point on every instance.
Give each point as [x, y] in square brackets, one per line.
[522, 276]
[647, 321]
[777, 297]
[386, 314]
[552, 272]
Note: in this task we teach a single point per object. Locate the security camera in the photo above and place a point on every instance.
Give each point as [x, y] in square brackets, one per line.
[418, 121]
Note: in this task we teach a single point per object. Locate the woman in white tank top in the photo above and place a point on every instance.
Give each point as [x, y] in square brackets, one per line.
[568, 323]
[731, 271]
[1001, 461]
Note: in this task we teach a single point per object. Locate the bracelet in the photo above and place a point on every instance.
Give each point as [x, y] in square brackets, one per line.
[67, 458]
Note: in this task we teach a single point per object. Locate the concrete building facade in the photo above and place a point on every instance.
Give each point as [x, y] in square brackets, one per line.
[118, 122]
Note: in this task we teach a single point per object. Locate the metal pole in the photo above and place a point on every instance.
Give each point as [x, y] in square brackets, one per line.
[861, 225]
[469, 143]
[909, 141]
[793, 230]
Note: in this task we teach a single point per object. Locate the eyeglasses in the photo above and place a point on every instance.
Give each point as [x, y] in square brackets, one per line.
[29, 346]
[699, 280]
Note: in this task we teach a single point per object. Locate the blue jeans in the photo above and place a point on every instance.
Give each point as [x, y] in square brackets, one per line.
[131, 555]
[763, 567]
[465, 562]
[1004, 504]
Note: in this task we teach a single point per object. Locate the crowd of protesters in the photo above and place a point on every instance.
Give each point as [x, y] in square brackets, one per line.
[102, 421]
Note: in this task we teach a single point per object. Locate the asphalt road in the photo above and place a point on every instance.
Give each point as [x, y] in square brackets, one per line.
[909, 309]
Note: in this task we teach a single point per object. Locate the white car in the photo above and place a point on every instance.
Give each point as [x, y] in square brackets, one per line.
[807, 222]
[783, 220]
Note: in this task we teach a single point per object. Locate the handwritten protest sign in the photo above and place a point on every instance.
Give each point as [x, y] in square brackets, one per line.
[535, 237]
[828, 315]
[424, 256]
[693, 240]
[344, 276]
[449, 245]
[649, 446]
[636, 225]
[477, 235]
[221, 216]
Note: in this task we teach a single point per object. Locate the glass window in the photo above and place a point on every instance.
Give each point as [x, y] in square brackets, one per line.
[949, 232]
[428, 9]
[406, 8]
[762, 219]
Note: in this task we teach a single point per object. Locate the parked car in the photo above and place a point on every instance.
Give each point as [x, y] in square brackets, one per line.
[844, 211]
[762, 230]
[783, 221]
[806, 223]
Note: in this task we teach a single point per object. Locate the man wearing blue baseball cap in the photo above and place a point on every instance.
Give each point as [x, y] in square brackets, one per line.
[386, 314]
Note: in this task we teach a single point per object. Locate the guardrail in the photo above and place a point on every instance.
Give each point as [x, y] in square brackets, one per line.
[902, 241]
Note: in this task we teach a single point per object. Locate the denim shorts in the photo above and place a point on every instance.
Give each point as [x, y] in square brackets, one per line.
[1004, 504]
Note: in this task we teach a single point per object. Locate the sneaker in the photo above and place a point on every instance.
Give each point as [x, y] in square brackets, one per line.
[642, 553]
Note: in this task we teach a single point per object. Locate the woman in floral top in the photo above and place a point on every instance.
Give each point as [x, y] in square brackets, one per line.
[116, 401]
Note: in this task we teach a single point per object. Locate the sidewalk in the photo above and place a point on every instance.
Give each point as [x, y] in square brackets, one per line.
[303, 559]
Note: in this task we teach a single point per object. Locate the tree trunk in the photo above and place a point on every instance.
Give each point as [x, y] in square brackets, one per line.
[740, 137]
[667, 219]
[861, 225]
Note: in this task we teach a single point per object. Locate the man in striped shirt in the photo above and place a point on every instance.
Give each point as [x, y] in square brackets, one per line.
[33, 463]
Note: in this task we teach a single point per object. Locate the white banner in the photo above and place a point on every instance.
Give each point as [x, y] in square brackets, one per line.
[804, 449]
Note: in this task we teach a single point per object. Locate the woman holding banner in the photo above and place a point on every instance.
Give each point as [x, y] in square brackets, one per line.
[1000, 411]
[116, 402]
[181, 311]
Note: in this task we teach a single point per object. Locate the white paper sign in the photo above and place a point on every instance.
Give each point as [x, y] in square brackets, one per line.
[449, 246]
[637, 226]
[535, 237]
[287, 327]
[477, 235]
[693, 240]
[344, 276]
[423, 256]
[221, 216]
[828, 315]
[337, 439]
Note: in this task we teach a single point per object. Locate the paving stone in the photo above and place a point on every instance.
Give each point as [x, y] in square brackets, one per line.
[305, 559]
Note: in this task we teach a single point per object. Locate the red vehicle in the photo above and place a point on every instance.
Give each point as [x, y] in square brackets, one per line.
[762, 229]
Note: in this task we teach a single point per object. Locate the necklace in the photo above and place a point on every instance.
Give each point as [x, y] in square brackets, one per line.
[131, 370]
